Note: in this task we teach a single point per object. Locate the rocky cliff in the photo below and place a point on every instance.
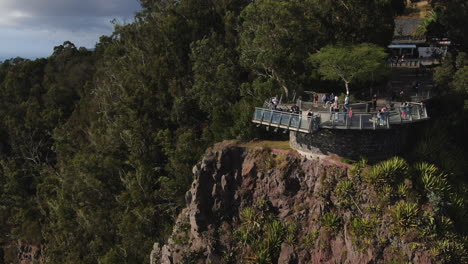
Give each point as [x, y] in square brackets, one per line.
[266, 206]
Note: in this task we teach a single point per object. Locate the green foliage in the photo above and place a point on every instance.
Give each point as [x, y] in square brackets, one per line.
[344, 189]
[389, 171]
[449, 15]
[405, 214]
[403, 190]
[274, 40]
[192, 257]
[432, 179]
[364, 227]
[350, 63]
[449, 251]
[363, 230]
[260, 231]
[311, 237]
[331, 221]
[291, 233]
[345, 192]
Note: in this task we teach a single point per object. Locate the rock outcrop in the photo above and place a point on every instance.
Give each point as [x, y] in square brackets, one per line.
[298, 193]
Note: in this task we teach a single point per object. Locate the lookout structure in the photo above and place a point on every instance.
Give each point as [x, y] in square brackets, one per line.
[352, 135]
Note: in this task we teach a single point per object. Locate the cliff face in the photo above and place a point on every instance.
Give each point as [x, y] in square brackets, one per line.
[262, 206]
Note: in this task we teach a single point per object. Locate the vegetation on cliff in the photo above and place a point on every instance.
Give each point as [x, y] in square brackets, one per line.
[274, 207]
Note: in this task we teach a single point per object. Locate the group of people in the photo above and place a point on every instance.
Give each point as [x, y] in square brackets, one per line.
[335, 107]
[405, 109]
[382, 116]
[335, 104]
[274, 106]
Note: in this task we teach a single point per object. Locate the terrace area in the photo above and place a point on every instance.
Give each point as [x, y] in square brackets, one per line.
[359, 119]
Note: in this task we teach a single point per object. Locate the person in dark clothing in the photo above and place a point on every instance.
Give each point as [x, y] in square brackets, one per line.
[374, 102]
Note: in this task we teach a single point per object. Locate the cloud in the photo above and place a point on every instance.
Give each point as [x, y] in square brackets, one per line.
[57, 8]
[63, 13]
[31, 28]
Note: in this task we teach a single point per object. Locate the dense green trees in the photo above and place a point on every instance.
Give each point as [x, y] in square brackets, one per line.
[277, 36]
[450, 16]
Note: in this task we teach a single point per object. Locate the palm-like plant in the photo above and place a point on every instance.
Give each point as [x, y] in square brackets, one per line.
[432, 179]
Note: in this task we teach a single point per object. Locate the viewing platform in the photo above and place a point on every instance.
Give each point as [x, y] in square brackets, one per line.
[307, 123]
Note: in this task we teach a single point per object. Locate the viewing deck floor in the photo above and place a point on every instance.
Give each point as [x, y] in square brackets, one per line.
[302, 122]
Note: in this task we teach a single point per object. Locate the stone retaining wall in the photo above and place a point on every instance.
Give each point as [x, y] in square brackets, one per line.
[352, 144]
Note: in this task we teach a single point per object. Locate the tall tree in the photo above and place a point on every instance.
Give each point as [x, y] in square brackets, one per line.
[350, 63]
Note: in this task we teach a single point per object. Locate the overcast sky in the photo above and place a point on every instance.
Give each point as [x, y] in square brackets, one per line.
[31, 28]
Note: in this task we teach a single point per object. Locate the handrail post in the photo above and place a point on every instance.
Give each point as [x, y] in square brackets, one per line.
[388, 120]
[271, 118]
[279, 122]
[374, 118]
[299, 123]
[289, 122]
[310, 123]
[360, 122]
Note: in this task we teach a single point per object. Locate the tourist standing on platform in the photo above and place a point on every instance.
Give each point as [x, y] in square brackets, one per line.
[382, 115]
[374, 102]
[274, 102]
[403, 109]
[295, 109]
[346, 103]
[335, 109]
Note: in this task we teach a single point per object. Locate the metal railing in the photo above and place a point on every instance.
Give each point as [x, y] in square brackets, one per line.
[412, 63]
[414, 112]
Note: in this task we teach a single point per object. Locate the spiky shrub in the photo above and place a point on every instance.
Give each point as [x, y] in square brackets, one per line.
[450, 251]
[250, 225]
[432, 179]
[261, 232]
[270, 162]
[402, 190]
[344, 191]
[261, 256]
[358, 167]
[331, 221]
[445, 224]
[362, 162]
[363, 229]
[310, 238]
[389, 171]
[405, 215]
[291, 233]
[274, 234]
